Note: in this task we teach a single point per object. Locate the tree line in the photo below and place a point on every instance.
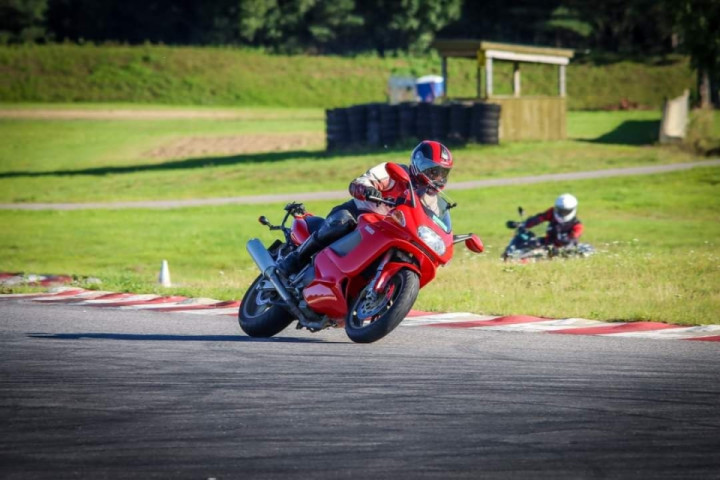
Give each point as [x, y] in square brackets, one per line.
[624, 27]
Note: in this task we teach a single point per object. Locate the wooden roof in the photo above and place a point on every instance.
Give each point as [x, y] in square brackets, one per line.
[502, 51]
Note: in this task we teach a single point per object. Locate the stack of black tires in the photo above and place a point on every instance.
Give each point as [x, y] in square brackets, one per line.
[378, 124]
[485, 123]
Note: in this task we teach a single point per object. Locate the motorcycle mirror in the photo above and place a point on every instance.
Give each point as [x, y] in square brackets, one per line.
[520, 211]
[397, 172]
[474, 244]
[264, 220]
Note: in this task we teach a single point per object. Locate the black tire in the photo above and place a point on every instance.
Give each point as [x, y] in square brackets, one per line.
[384, 314]
[486, 116]
[258, 318]
[482, 125]
[488, 138]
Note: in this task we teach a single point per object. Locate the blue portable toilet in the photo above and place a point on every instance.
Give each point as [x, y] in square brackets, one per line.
[430, 87]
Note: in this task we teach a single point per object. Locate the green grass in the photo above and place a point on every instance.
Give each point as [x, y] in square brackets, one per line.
[245, 77]
[657, 236]
[108, 160]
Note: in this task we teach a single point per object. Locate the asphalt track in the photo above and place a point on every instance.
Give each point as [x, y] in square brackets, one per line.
[89, 393]
[343, 194]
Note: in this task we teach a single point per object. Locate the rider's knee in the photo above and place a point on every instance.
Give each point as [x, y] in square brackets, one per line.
[336, 225]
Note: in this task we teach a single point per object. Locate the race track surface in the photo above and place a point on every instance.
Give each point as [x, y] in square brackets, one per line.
[111, 393]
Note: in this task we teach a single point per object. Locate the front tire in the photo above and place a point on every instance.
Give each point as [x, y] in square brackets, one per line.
[258, 315]
[373, 316]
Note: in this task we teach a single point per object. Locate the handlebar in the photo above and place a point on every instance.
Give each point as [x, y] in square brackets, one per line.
[382, 200]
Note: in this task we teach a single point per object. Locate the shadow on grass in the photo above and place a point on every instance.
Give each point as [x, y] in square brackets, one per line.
[170, 338]
[203, 162]
[632, 132]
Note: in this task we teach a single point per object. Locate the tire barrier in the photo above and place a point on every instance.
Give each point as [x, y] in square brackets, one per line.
[372, 129]
[423, 122]
[356, 122]
[439, 115]
[407, 128]
[460, 122]
[337, 128]
[378, 124]
[485, 124]
[389, 124]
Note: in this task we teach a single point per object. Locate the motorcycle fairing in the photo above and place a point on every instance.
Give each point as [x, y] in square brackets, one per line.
[346, 244]
[328, 292]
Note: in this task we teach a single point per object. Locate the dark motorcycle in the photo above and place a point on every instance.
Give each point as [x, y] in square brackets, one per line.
[525, 246]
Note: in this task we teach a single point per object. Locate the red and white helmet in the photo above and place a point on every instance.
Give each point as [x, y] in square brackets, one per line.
[565, 208]
[430, 164]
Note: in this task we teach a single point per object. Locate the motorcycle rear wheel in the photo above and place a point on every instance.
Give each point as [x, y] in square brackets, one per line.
[373, 316]
[257, 316]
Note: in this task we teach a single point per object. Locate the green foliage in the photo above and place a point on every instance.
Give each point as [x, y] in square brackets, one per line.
[564, 19]
[293, 26]
[703, 133]
[637, 27]
[699, 21]
[22, 21]
[412, 24]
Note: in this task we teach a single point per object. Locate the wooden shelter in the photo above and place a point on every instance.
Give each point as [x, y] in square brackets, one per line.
[522, 118]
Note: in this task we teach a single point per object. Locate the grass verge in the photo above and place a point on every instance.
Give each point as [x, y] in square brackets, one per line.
[247, 77]
[657, 235]
[82, 160]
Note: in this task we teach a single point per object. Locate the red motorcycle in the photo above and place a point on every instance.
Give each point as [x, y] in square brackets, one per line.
[368, 280]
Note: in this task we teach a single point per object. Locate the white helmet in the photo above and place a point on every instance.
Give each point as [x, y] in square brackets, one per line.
[565, 208]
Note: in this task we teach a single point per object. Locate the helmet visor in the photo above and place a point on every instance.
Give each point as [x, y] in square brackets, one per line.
[563, 215]
[435, 173]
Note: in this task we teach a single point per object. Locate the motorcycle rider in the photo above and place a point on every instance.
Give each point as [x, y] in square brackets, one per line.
[430, 165]
[564, 227]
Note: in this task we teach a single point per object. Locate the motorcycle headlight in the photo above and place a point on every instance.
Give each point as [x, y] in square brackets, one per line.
[432, 239]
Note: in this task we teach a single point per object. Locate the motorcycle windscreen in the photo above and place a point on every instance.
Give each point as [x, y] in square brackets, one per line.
[437, 207]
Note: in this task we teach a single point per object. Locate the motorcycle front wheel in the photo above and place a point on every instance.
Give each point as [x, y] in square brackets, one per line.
[374, 315]
[258, 315]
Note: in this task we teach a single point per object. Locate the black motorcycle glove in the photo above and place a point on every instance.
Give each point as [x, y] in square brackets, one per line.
[512, 224]
[372, 192]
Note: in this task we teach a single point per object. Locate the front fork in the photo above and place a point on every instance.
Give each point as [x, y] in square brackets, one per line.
[387, 269]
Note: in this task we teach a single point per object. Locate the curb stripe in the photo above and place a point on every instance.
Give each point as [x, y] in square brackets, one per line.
[68, 296]
[715, 338]
[113, 296]
[149, 302]
[508, 320]
[620, 328]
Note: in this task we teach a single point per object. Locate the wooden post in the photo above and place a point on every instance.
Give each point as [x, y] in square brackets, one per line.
[480, 74]
[488, 77]
[516, 79]
[561, 81]
[479, 78]
[445, 75]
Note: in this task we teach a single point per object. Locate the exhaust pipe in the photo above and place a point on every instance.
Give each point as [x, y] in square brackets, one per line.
[267, 266]
[261, 257]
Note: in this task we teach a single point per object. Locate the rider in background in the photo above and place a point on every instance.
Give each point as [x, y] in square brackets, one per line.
[564, 227]
[430, 165]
